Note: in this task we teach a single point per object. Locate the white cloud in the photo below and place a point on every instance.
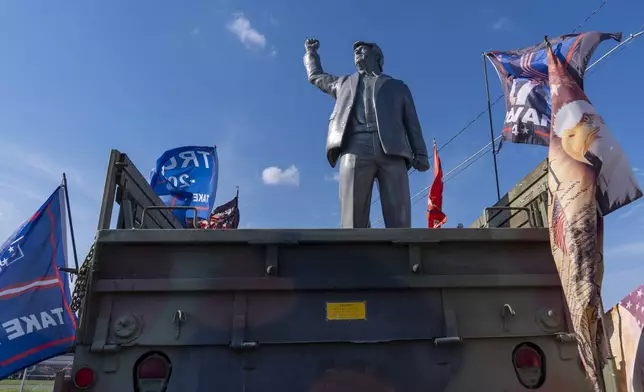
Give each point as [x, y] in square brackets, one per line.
[335, 177]
[273, 52]
[249, 36]
[501, 24]
[638, 171]
[275, 176]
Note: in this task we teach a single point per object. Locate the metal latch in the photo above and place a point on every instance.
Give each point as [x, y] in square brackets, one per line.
[507, 311]
[177, 320]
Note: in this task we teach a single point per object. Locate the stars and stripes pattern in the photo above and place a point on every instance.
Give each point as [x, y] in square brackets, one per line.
[559, 226]
[527, 114]
[224, 217]
[528, 67]
[634, 304]
[10, 254]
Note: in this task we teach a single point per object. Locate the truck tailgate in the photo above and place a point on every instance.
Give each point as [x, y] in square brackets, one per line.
[326, 310]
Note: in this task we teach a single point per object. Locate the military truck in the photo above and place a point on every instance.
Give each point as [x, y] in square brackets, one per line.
[171, 309]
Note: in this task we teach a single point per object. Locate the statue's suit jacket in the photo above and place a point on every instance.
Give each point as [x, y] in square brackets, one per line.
[398, 125]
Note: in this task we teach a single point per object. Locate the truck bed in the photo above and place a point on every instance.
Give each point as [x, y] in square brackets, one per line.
[326, 310]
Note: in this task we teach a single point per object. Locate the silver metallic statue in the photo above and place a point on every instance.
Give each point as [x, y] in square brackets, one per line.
[374, 132]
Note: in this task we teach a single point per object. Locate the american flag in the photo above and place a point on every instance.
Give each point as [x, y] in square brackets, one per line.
[559, 226]
[224, 217]
[634, 304]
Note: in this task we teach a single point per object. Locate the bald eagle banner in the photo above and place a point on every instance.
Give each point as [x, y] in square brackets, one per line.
[589, 177]
[524, 75]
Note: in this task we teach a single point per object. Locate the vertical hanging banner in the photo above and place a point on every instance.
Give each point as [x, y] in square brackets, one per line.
[524, 75]
[187, 177]
[589, 177]
[624, 329]
[36, 322]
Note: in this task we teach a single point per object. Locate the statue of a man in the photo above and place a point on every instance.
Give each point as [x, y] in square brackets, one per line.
[374, 132]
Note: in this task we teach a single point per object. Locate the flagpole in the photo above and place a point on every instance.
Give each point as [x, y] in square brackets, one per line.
[489, 112]
[71, 224]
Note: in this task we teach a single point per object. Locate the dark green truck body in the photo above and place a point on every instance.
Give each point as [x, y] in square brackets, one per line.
[406, 310]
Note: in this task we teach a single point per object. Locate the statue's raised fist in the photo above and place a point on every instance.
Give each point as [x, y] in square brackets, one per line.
[311, 45]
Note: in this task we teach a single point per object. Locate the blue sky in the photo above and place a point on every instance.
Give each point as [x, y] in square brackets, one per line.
[79, 78]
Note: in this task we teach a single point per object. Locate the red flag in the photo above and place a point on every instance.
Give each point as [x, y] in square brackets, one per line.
[435, 216]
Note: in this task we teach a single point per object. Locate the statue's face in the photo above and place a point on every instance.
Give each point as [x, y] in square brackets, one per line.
[362, 54]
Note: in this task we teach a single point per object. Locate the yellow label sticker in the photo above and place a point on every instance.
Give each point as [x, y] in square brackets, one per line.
[346, 311]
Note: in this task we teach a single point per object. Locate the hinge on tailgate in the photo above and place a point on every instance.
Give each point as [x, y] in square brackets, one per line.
[566, 337]
[104, 349]
[451, 330]
[110, 348]
[567, 344]
[239, 324]
[109, 361]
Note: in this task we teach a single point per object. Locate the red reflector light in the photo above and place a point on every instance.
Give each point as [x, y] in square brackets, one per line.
[526, 357]
[84, 378]
[528, 361]
[152, 367]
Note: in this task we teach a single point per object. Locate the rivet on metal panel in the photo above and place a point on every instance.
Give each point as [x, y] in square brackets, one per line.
[548, 320]
[126, 328]
[507, 311]
[272, 262]
[415, 261]
[178, 319]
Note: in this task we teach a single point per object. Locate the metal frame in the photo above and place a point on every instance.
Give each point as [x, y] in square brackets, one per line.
[312, 284]
[527, 210]
[298, 236]
[125, 185]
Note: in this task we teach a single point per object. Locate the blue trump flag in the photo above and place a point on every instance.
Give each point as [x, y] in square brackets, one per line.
[524, 75]
[36, 322]
[187, 176]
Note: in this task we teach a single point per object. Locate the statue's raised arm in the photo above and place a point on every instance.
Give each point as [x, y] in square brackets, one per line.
[314, 72]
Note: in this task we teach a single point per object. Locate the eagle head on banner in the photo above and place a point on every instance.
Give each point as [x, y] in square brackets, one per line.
[585, 138]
